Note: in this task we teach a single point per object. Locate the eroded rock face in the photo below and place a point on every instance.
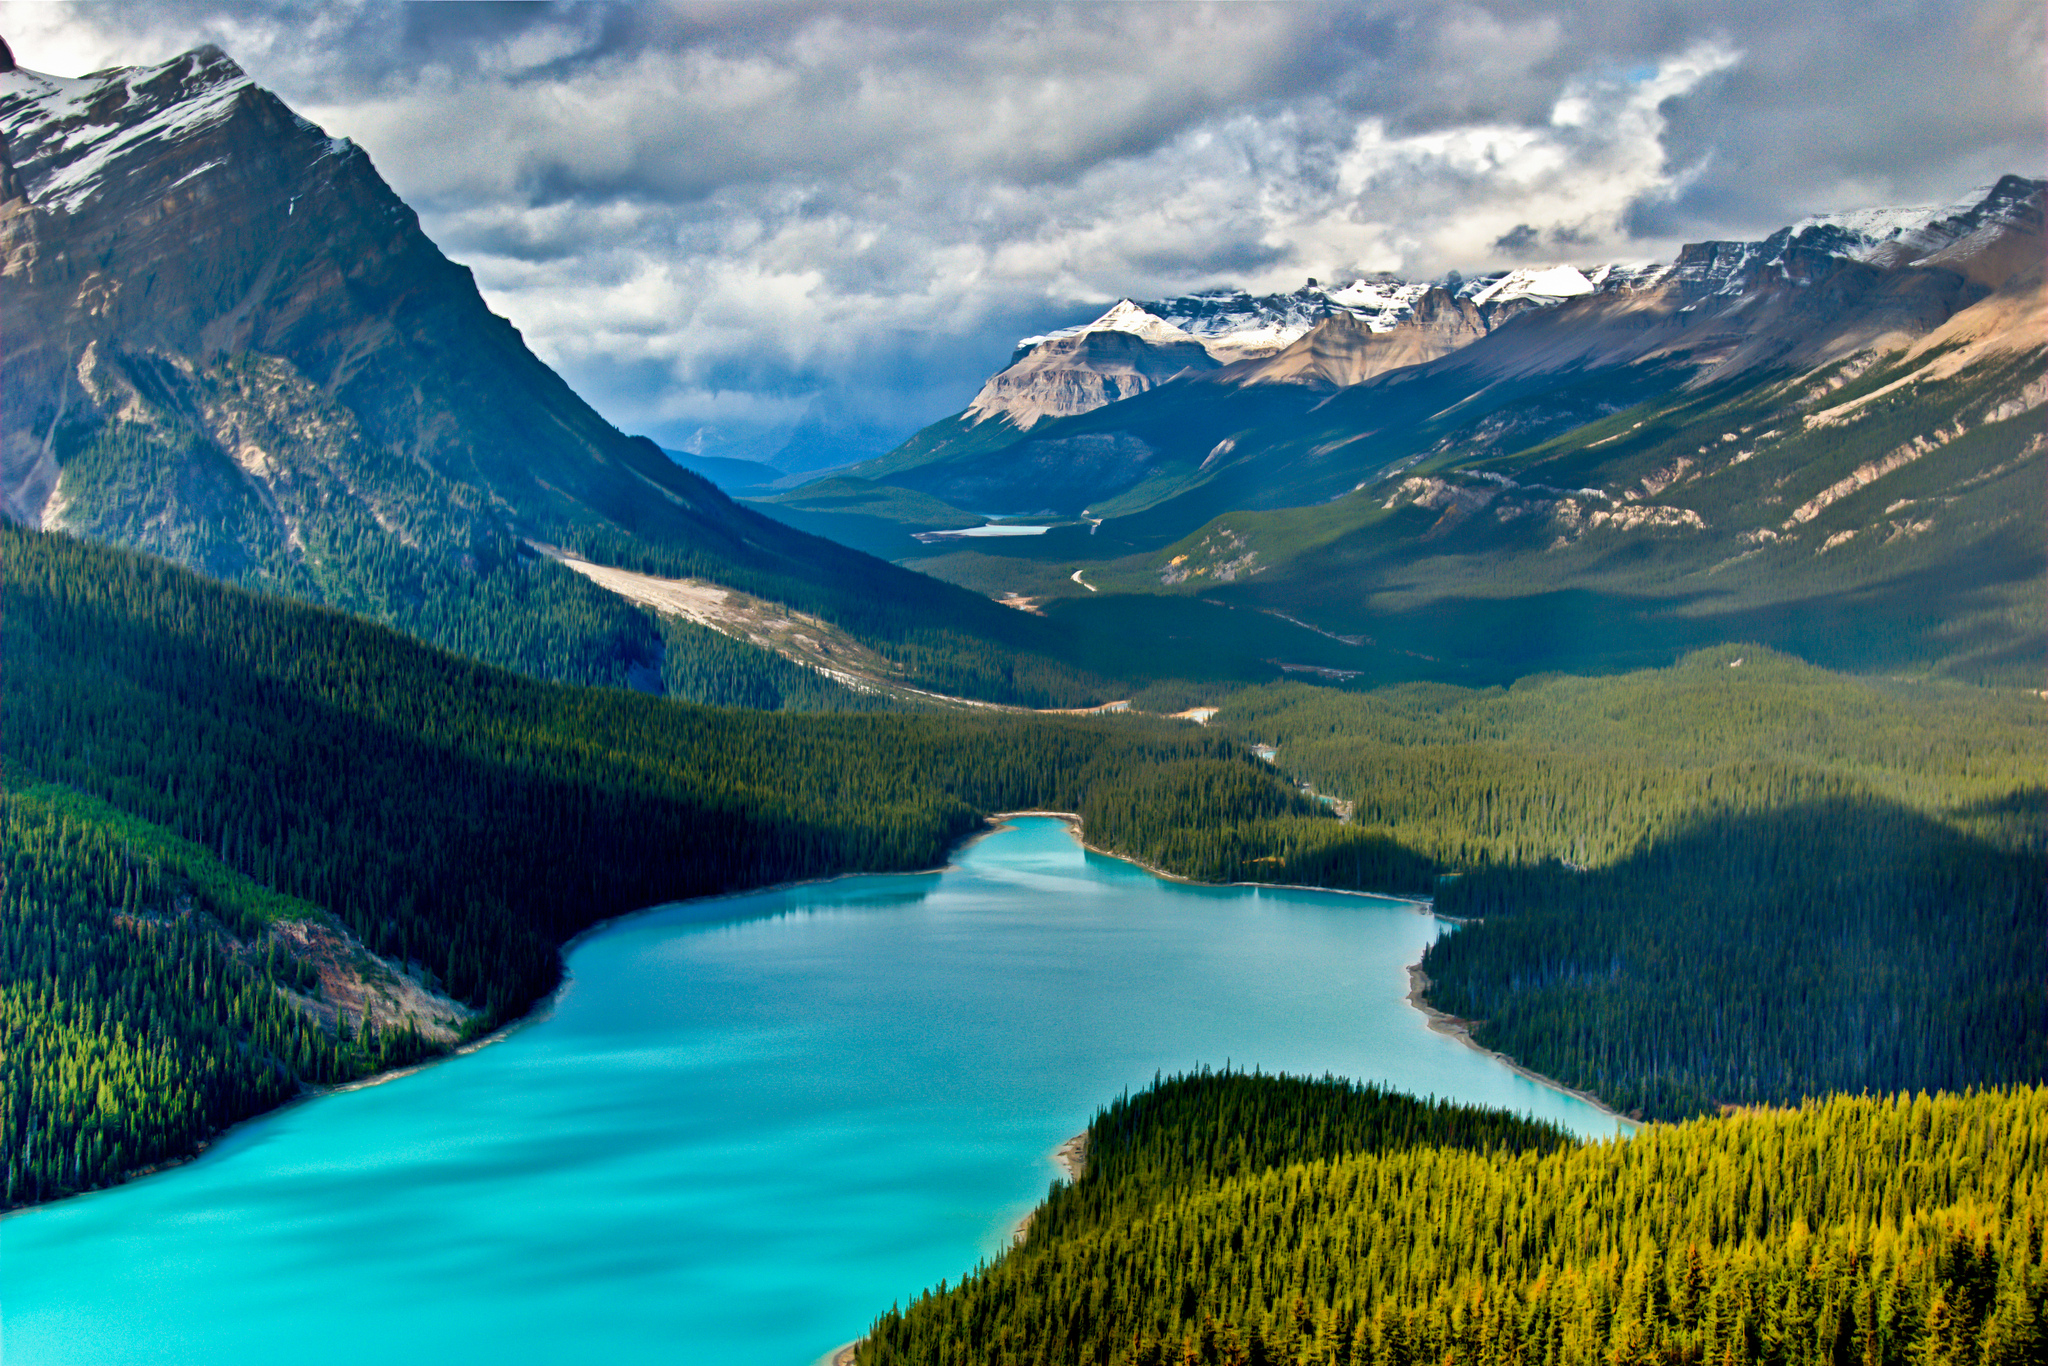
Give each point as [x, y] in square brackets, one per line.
[1344, 349]
[176, 216]
[1064, 376]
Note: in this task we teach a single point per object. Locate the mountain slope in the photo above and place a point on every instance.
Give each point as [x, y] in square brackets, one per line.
[1879, 512]
[179, 212]
[229, 341]
[1805, 297]
[1124, 352]
[1830, 441]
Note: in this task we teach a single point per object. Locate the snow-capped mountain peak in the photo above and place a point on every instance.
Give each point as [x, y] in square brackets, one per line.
[1236, 325]
[1914, 226]
[1546, 285]
[65, 135]
[1125, 316]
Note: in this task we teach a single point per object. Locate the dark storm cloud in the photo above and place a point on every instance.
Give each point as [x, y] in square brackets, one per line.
[723, 216]
[1518, 241]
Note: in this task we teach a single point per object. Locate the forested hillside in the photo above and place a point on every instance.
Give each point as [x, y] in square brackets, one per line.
[1362, 1229]
[249, 753]
[1850, 944]
[146, 998]
[1586, 769]
[1739, 880]
[1796, 883]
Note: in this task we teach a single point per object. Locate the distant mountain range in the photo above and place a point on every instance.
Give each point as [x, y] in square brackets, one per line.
[1674, 439]
[1136, 346]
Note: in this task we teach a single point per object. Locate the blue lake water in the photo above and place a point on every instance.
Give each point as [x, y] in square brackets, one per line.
[747, 1125]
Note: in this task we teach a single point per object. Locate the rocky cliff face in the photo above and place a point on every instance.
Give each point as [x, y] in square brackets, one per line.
[1345, 349]
[177, 215]
[1115, 358]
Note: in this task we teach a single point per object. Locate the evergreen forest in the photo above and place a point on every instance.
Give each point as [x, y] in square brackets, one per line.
[1773, 904]
[1739, 880]
[1234, 1220]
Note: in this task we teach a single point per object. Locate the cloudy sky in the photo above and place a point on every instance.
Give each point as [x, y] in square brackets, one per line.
[730, 223]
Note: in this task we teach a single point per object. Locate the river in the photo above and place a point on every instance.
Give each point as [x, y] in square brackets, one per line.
[745, 1127]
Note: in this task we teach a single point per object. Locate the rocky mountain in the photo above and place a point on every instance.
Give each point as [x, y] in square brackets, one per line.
[1237, 326]
[1313, 336]
[1811, 294]
[228, 341]
[177, 215]
[1123, 353]
[1077, 369]
[1830, 438]
[1346, 348]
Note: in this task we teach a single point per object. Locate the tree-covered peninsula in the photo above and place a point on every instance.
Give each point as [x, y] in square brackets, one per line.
[1233, 1220]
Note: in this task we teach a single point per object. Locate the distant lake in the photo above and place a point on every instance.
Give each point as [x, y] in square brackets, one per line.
[988, 529]
[747, 1126]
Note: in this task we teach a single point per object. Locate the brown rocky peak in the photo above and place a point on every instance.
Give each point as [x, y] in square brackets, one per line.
[10, 182]
[1078, 373]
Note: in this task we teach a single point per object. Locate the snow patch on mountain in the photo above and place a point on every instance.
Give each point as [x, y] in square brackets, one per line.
[1124, 317]
[1235, 325]
[1540, 286]
[1916, 226]
[1885, 237]
[66, 135]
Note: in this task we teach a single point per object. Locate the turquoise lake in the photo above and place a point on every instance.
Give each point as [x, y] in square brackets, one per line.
[746, 1126]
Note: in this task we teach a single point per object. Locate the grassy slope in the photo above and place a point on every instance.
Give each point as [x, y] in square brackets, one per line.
[1933, 566]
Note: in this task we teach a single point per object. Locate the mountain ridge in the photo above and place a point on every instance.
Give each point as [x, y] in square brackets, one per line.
[231, 343]
[1798, 299]
[1051, 375]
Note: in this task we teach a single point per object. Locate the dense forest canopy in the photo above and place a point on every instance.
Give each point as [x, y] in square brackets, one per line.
[1227, 1220]
[1737, 880]
[1797, 882]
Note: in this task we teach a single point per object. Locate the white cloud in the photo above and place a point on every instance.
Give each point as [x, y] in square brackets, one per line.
[733, 215]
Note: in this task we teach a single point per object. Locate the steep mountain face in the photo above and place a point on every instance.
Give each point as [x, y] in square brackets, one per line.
[1121, 354]
[177, 214]
[228, 341]
[1316, 336]
[1345, 348]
